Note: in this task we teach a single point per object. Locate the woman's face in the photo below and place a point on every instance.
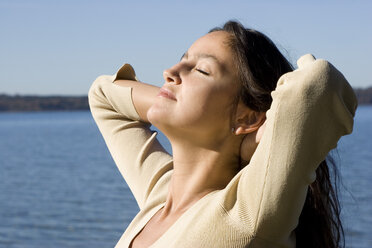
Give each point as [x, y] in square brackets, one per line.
[199, 91]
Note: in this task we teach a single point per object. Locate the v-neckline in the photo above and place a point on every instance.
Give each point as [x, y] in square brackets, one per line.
[155, 210]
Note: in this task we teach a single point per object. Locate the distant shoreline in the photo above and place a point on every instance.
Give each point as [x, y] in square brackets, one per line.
[24, 103]
[364, 95]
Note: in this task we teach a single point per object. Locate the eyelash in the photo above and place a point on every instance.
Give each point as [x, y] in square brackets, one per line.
[202, 72]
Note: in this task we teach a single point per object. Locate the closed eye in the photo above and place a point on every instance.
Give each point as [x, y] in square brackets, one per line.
[202, 72]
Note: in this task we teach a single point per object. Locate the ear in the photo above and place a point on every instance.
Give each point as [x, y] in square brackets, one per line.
[247, 120]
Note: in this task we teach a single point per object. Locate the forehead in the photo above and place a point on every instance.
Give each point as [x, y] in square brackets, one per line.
[214, 45]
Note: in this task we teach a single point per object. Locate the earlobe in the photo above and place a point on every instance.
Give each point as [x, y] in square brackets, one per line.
[240, 130]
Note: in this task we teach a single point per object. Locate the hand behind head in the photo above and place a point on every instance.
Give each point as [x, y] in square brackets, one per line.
[250, 143]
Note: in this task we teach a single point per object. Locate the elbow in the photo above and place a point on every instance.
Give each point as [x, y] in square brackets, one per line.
[95, 92]
[329, 90]
[344, 106]
[344, 102]
[320, 91]
[92, 95]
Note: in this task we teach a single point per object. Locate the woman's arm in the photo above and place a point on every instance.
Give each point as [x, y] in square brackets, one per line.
[119, 106]
[312, 108]
[143, 95]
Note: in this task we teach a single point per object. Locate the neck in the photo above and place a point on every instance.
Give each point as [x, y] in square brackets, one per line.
[198, 171]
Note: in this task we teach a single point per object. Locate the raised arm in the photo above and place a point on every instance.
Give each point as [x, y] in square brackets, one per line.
[119, 106]
[143, 95]
[312, 108]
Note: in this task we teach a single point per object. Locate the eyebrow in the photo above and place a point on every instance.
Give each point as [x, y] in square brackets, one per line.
[202, 55]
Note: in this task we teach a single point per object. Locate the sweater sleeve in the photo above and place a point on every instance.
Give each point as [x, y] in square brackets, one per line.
[140, 158]
[312, 108]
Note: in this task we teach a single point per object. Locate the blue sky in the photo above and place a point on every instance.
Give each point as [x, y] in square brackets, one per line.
[60, 47]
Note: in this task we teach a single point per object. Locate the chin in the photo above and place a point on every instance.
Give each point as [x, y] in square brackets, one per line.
[163, 120]
[158, 116]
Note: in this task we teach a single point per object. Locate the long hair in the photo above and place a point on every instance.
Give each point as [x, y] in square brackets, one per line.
[260, 64]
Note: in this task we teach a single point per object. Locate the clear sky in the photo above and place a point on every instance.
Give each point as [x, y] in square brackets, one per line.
[60, 47]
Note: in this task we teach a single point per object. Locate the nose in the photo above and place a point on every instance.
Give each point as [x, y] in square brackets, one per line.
[171, 75]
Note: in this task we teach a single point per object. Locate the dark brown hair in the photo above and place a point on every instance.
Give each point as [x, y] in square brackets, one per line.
[260, 64]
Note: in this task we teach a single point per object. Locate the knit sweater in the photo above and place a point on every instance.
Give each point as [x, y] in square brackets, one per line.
[312, 108]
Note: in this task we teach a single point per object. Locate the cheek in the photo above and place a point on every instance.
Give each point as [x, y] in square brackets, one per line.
[206, 106]
[195, 101]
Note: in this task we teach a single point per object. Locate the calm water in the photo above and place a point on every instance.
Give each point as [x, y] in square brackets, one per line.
[60, 188]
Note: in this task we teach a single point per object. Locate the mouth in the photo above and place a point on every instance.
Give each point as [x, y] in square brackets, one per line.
[167, 94]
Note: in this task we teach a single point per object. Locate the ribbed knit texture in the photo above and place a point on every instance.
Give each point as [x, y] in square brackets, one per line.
[312, 108]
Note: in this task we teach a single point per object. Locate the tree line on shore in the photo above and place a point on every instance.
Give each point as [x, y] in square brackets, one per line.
[69, 103]
[42, 103]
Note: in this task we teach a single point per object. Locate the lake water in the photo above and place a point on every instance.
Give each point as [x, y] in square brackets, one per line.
[59, 186]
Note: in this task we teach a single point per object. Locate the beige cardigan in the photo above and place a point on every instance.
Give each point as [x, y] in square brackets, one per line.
[312, 108]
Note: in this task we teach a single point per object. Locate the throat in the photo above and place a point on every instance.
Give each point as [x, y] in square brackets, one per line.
[187, 186]
[197, 171]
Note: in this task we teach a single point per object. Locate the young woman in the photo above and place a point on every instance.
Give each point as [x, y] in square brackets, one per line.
[249, 138]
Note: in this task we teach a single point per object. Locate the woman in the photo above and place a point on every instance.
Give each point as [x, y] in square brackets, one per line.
[246, 140]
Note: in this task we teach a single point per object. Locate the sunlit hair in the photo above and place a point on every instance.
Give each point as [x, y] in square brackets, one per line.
[259, 65]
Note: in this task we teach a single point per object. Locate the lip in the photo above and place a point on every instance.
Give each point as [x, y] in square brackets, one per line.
[167, 94]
